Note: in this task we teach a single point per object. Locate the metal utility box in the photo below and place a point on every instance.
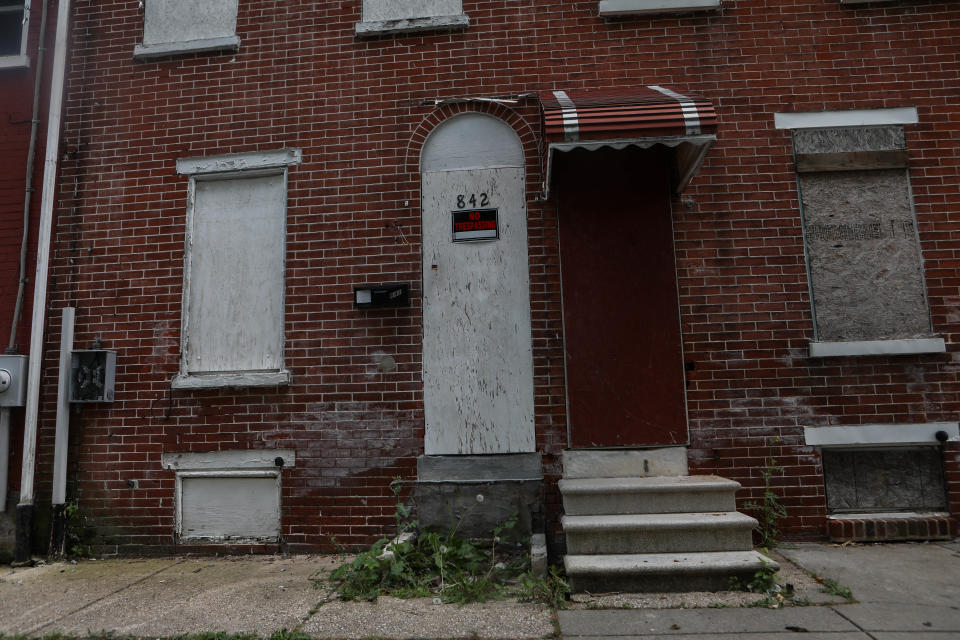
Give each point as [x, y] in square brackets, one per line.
[380, 296]
[92, 375]
[13, 380]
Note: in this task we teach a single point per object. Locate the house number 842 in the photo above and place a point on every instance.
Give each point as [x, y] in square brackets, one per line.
[472, 200]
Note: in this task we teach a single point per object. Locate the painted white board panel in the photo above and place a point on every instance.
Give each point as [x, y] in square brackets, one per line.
[374, 10]
[477, 349]
[236, 287]
[225, 507]
[167, 21]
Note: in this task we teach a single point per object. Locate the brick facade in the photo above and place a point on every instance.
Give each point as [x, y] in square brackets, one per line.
[360, 110]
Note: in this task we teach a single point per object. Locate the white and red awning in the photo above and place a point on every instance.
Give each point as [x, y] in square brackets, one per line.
[634, 116]
[625, 113]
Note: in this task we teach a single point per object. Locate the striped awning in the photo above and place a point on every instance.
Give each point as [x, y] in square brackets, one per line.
[584, 114]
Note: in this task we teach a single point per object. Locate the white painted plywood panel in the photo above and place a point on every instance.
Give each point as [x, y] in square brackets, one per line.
[236, 289]
[225, 507]
[167, 21]
[376, 10]
[477, 350]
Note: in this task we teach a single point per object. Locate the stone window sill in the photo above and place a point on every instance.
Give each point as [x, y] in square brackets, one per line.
[14, 62]
[639, 7]
[879, 434]
[877, 347]
[231, 380]
[166, 49]
[412, 25]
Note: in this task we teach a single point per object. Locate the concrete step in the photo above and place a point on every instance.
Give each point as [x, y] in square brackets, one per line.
[710, 571]
[658, 533]
[663, 494]
[624, 463]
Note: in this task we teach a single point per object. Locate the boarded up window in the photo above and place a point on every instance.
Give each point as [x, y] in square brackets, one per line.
[399, 16]
[236, 276]
[182, 26]
[884, 480]
[860, 230]
[234, 290]
[225, 508]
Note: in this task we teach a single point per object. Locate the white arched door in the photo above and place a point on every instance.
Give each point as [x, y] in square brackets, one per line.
[477, 349]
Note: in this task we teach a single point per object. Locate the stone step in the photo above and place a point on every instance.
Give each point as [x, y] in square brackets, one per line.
[663, 494]
[624, 463]
[658, 533]
[706, 571]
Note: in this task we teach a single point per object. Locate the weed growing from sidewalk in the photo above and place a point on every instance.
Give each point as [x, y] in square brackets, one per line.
[769, 510]
[551, 591]
[832, 587]
[443, 565]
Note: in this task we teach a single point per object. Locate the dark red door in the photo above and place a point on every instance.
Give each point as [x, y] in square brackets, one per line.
[625, 384]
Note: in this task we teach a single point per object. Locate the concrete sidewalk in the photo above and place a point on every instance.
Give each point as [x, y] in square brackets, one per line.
[162, 597]
[902, 591]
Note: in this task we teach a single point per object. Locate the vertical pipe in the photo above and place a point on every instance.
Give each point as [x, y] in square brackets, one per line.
[4, 455]
[47, 202]
[31, 155]
[63, 409]
[58, 512]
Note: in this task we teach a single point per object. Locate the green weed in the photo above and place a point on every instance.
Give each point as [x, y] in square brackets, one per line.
[769, 510]
[551, 590]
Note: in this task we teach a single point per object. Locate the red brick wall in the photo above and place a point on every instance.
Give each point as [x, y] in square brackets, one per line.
[355, 107]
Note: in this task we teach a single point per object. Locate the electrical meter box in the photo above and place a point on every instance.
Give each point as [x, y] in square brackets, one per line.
[92, 375]
[13, 380]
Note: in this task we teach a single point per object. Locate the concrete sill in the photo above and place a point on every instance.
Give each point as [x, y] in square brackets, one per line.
[14, 62]
[877, 347]
[167, 49]
[412, 25]
[879, 435]
[640, 7]
[232, 380]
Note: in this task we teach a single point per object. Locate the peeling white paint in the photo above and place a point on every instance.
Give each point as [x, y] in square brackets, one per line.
[477, 349]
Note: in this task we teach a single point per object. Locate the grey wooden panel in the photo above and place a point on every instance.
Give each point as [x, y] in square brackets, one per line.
[376, 10]
[225, 507]
[236, 287]
[167, 21]
[864, 256]
[477, 348]
[909, 478]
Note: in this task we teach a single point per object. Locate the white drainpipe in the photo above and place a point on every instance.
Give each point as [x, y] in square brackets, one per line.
[47, 201]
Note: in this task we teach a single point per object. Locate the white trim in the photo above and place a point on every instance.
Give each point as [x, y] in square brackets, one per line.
[877, 347]
[187, 381]
[147, 51]
[628, 7]
[239, 161]
[851, 118]
[687, 169]
[568, 110]
[230, 459]
[880, 434]
[14, 62]
[409, 25]
[178, 495]
[691, 115]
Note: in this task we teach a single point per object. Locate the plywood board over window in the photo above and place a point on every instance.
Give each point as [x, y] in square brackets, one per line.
[173, 27]
[233, 302]
[384, 17]
[863, 249]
